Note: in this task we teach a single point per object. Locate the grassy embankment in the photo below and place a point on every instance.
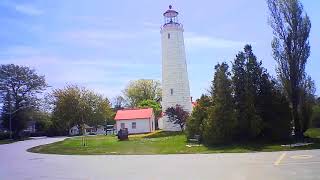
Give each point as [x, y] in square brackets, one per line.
[158, 143]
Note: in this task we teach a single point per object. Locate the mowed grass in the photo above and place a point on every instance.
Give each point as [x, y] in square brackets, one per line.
[8, 141]
[157, 143]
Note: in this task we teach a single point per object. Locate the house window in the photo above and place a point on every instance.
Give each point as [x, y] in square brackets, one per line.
[134, 125]
[122, 125]
[171, 91]
[168, 35]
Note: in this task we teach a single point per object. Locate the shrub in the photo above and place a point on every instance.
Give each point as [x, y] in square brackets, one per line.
[37, 134]
[315, 118]
[4, 135]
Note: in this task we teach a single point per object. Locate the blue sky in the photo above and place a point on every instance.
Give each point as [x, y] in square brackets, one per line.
[104, 44]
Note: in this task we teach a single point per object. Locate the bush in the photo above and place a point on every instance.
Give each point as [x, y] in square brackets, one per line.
[4, 135]
[315, 118]
[312, 133]
[37, 134]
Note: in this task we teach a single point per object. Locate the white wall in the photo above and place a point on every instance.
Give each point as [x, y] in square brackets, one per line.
[100, 131]
[74, 131]
[142, 125]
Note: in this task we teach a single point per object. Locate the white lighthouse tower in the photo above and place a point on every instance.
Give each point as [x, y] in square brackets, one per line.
[175, 83]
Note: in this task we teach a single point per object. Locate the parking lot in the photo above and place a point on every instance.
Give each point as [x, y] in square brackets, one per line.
[18, 164]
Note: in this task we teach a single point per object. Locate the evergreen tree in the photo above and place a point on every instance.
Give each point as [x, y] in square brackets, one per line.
[239, 91]
[307, 102]
[247, 72]
[221, 121]
[274, 110]
[194, 124]
[315, 118]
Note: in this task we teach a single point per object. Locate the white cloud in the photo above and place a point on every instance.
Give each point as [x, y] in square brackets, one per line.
[38, 61]
[28, 9]
[94, 37]
[197, 41]
[107, 77]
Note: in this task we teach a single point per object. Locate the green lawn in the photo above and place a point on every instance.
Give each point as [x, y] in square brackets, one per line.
[159, 143]
[8, 141]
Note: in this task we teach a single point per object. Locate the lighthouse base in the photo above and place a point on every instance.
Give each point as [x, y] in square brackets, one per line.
[166, 125]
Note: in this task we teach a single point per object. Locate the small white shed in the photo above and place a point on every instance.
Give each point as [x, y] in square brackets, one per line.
[135, 120]
[75, 130]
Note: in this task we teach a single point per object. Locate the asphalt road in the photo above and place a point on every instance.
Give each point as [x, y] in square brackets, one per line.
[17, 164]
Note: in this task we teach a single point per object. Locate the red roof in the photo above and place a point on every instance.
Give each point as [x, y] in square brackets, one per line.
[194, 104]
[129, 114]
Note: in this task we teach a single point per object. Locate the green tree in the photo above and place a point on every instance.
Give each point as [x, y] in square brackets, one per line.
[315, 118]
[74, 105]
[118, 103]
[291, 49]
[19, 86]
[221, 122]
[318, 101]
[307, 102]
[246, 80]
[155, 106]
[142, 89]
[199, 113]
[274, 110]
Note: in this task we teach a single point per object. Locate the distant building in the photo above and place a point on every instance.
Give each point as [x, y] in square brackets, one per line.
[75, 130]
[31, 127]
[135, 120]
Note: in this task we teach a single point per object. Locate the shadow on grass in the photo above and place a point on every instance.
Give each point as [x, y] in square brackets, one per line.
[164, 134]
[262, 146]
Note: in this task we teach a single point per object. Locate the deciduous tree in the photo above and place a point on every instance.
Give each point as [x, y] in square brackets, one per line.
[177, 115]
[74, 105]
[140, 90]
[155, 106]
[291, 27]
[19, 86]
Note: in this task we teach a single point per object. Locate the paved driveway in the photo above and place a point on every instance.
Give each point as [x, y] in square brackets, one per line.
[17, 164]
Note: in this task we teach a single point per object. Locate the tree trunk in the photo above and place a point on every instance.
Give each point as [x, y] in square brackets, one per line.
[297, 125]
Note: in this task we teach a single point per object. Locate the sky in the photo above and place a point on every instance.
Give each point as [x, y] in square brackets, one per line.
[103, 45]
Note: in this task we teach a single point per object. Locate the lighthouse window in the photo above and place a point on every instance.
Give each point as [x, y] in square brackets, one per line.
[168, 35]
[171, 91]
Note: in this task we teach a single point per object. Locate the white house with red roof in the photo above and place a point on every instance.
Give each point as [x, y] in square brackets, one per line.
[135, 120]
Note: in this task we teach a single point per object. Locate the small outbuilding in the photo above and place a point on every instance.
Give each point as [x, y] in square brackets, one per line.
[135, 120]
